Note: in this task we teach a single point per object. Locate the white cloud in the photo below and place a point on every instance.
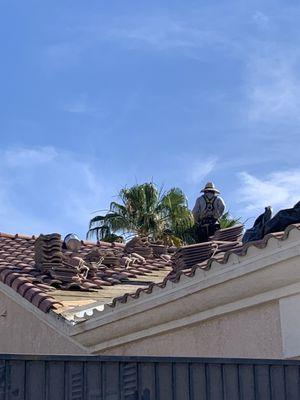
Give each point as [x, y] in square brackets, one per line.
[82, 105]
[48, 190]
[280, 189]
[185, 34]
[22, 157]
[198, 170]
[273, 87]
[162, 34]
[261, 19]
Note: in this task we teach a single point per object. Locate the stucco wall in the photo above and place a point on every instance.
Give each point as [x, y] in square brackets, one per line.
[22, 332]
[254, 333]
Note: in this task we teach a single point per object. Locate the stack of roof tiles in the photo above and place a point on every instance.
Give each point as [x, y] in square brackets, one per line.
[233, 234]
[139, 246]
[223, 240]
[159, 249]
[48, 252]
[35, 267]
[187, 256]
[49, 258]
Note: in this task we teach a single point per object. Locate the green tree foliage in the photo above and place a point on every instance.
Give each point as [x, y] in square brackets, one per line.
[226, 221]
[145, 211]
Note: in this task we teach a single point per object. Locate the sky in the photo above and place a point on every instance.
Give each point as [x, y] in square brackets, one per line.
[97, 95]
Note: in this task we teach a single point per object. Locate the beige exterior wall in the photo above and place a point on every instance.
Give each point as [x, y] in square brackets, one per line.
[23, 332]
[252, 333]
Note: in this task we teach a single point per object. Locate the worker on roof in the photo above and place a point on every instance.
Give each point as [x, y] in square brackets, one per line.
[207, 211]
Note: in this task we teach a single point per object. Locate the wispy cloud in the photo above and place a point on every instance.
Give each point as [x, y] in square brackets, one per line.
[81, 105]
[261, 19]
[163, 33]
[28, 157]
[186, 35]
[200, 169]
[46, 189]
[279, 189]
[273, 87]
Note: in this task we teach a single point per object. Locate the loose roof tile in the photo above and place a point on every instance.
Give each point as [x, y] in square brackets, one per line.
[21, 269]
[130, 271]
[222, 257]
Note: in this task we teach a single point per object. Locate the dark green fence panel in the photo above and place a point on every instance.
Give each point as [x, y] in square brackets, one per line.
[146, 378]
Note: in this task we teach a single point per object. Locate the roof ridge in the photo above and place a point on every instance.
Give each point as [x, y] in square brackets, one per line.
[191, 272]
[84, 242]
[17, 235]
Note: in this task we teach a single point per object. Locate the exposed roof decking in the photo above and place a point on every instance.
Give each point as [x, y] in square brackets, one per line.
[17, 270]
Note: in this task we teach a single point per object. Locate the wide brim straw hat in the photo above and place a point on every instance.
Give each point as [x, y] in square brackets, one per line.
[210, 187]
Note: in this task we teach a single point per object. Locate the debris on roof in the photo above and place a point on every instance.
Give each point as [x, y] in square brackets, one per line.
[100, 271]
[266, 224]
[139, 246]
[53, 277]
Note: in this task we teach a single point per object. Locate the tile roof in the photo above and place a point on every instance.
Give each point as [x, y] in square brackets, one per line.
[221, 256]
[124, 271]
[57, 287]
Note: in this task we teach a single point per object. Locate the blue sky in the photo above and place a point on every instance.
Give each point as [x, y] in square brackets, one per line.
[98, 95]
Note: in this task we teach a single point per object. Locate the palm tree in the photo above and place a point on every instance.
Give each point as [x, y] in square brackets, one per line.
[145, 211]
[226, 221]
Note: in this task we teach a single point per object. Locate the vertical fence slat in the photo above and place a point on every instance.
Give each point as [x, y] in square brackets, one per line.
[230, 382]
[55, 387]
[111, 381]
[214, 382]
[2, 379]
[164, 381]
[35, 380]
[93, 380]
[292, 382]
[277, 382]
[74, 380]
[181, 371]
[15, 385]
[129, 381]
[197, 381]
[246, 382]
[262, 382]
[147, 381]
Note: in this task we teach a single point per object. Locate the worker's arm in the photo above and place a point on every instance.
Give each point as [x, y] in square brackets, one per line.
[220, 207]
[196, 210]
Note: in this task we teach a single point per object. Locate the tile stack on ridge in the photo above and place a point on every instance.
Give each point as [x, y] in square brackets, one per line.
[187, 256]
[39, 286]
[223, 240]
[159, 249]
[222, 258]
[50, 259]
[232, 234]
[48, 252]
[139, 246]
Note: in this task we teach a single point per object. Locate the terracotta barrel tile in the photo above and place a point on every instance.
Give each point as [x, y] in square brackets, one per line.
[18, 282]
[46, 304]
[29, 294]
[4, 274]
[23, 288]
[38, 298]
[10, 278]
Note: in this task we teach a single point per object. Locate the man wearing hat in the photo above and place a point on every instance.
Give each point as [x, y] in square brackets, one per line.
[208, 209]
